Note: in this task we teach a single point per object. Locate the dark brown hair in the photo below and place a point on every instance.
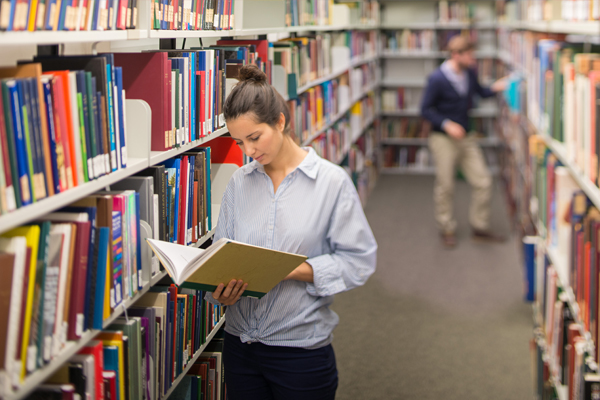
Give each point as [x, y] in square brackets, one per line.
[252, 94]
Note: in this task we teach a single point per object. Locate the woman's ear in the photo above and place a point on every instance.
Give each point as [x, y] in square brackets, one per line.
[281, 122]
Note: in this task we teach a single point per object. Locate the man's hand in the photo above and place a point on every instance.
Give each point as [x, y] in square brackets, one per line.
[499, 85]
[229, 295]
[455, 130]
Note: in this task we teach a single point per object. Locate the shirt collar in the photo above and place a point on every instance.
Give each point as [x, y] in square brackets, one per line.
[309, 165]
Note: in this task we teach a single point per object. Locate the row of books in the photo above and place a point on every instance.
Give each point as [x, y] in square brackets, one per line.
[405, 127]
[564, 365]
[304, 12]
[192, 15]
[361, 43]
[456, 11]
[571, 224]
[59, 128]
[76, 15]
[361, 162]
[401, 98]
[561, 95]
[140, 356]
[549, 10]
[66, 274]
[409, 40]
[414, 157]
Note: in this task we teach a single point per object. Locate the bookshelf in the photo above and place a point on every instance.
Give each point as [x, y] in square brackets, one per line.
[139, 130]
[540, 145]
[412, 46]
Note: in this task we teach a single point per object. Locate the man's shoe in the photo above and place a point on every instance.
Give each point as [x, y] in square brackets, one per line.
[449, 240]
[487, 236]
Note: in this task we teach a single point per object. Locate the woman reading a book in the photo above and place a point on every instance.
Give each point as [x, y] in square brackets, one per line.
[287, 199]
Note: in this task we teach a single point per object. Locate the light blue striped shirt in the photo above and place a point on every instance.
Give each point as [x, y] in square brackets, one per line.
[316, 212]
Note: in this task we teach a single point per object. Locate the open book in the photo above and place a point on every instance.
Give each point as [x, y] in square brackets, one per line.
[223, 261]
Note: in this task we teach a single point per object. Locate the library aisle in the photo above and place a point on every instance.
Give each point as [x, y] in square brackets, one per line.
[433, 323]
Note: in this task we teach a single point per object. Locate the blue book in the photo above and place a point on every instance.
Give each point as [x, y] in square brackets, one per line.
[92, 263]
[529, 259]
[121, 111]
[201, 60]
[180, 332]
[25, 114]
[33, 108]
[95, 16]
[117, 272]
[111, 114]
[111, 363]
[193, 133]
[82, 90]
[140, 283]
[190, 220]
[46, 85]
[208, 189]
[62, 15]
[174, 179]
[20, 144]
[102, 248]
[184, 389]
[11, 21]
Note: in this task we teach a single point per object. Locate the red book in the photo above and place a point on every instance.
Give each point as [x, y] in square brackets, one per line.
[95, 348]
[173, 298]
[70, 135]
[195, 214]
[146, 76]
[202, 116]
[200, 370]
[109, 379]
[11, 205]
[66, 176]
[77, 307]
[223, 150]
[122, 15]
[183, 206]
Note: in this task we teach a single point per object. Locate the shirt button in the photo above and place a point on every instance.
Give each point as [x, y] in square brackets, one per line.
[270, 226]
[272, 200]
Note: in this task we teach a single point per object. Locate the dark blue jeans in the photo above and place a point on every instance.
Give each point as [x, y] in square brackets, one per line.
[260, 372]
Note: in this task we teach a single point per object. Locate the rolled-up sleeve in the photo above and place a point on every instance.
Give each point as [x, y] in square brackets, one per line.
[353, 255]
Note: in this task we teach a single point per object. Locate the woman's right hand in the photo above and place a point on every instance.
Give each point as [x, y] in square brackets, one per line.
[230, 294]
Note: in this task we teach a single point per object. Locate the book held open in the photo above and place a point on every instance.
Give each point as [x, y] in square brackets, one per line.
[224, 260]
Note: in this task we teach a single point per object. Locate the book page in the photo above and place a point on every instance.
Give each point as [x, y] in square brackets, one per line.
[177, 256]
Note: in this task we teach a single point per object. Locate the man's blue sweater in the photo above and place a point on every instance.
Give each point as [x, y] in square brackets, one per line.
[441, 101]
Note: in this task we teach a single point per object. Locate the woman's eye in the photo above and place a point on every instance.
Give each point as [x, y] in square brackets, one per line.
[239, 143]
[255, 138]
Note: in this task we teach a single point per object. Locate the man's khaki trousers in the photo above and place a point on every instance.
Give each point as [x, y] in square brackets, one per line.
[448, 153]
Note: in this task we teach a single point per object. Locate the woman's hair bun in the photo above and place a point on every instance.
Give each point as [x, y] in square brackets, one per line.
[251, 72]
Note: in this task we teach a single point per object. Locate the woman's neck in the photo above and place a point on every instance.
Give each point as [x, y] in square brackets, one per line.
[289, 157]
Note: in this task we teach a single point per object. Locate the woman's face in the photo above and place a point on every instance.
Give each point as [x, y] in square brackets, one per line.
[262, 142]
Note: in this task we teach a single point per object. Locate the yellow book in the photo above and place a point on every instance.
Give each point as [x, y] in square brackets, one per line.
[224, 260]
[106, 308]
[32, 15]
[319, 111]
[356, 109]
[32, 235]
[116, 339]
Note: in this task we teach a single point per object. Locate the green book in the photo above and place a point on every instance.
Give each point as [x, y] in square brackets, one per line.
[29, 149]
[12, 151]
[82, 132]
[37, 323]
[92, 120]
[131, 328]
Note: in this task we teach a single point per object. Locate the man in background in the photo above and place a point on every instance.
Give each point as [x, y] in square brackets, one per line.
[446, 103]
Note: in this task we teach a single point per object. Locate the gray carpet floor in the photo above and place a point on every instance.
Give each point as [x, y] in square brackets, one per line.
[433, 323]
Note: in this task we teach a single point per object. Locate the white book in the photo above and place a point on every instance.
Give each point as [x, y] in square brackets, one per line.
[186, 102]
[124, 144]
[117, 100]
[173, 110]
[12, 366]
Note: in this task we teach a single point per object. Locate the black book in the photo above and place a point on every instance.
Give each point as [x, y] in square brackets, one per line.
[37, 162]
[77, 378]
[35, 124]
[591, 388]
